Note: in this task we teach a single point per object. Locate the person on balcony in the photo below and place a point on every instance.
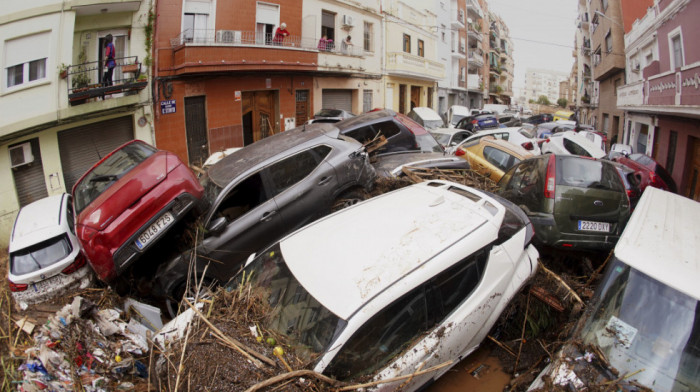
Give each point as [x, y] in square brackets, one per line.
[325, 44]
[109, 61]
[280, 34]
[347, 43]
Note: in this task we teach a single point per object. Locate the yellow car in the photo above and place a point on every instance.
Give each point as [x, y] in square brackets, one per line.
[492, 157]
[563, 115]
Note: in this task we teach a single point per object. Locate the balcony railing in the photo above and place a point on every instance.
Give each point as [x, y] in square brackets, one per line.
[209, 37]
[475, 59]
[84, 80]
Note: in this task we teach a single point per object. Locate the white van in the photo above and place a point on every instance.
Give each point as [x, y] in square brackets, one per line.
[494, 108]
[645, 315]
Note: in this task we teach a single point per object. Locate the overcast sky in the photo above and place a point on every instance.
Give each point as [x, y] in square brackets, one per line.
[542, 32]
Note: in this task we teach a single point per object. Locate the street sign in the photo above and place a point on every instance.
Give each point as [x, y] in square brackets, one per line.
[167, 106]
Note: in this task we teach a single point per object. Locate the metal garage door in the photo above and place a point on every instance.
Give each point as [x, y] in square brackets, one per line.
[337, 99]
[29, 179]
[82, 147]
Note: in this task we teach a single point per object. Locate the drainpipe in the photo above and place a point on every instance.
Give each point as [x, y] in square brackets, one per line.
[383, 65]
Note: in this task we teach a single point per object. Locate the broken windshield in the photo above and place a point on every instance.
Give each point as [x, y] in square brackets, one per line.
[647, 330]
[309, 326]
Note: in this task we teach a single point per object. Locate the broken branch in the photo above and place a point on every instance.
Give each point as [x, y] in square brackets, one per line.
[561, 281]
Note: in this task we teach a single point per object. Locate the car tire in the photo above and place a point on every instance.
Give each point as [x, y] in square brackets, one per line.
[174, 300]
[347, 199]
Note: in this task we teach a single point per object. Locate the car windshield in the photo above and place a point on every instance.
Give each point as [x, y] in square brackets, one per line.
[101, 177]
[427, 143]
[39, 256]
[442, 138]
[308, 326]
[456, 118]
[663, 353]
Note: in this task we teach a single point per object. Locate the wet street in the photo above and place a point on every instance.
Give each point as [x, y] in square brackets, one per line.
[481, 372]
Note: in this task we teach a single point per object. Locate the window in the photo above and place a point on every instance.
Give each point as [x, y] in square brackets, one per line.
[671, 157]
[398, 326]
[574, 148]
[328, 25]
[421, 48]
[267, 18]
[194, 27]
[407, 43]
[608, 42]
[606, 123]
[291, 170]
[244, 197]
[677, 51]
[368, 37]
[367, 100]
[26, 59]
[605, 4]
[498, 158]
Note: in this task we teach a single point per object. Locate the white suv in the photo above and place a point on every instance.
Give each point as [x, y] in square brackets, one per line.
[45, 257]
[405, 281]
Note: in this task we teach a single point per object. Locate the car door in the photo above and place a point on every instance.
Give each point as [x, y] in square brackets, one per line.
[252, 221]
[500, 160]
[303, 186]
[590, 197]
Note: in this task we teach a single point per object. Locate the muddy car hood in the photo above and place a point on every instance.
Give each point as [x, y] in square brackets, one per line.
[390, 165]
[126, 191]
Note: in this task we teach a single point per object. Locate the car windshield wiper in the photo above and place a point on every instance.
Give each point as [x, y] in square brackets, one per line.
[104, 177]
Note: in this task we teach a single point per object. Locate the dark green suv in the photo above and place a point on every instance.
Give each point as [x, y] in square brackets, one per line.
[572, 201]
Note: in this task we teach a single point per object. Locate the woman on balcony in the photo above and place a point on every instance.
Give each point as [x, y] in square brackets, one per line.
[280, 34]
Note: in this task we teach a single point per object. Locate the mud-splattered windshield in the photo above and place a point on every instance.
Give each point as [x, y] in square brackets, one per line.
[647, 330]
[309, 326]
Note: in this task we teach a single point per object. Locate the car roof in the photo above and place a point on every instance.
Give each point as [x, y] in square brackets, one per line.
[365, 118]
[426, 113]
[662, 240]
[361, 264]
[506, 145]
[269, 148]
[458, 109]
[582, 141]
[37, 222]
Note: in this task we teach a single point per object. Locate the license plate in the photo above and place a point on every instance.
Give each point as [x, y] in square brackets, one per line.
[593, 226]
[153, 230]
[46, 284]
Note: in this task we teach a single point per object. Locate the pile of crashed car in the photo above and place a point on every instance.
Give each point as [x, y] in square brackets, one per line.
[398, 287]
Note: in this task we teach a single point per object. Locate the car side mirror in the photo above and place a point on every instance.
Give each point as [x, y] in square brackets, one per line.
[217, 226]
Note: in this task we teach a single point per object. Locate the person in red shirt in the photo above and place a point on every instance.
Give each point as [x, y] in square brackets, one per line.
[280, 34]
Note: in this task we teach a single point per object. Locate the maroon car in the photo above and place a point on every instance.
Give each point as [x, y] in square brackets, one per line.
[653, 173]
[129, 200]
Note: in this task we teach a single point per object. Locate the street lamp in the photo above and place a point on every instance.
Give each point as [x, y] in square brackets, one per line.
[602, 15]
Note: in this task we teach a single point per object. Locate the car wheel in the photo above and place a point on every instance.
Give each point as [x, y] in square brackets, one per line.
[174, 304]
[348, 199]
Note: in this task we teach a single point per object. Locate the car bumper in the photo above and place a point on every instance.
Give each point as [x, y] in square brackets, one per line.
[547, 232]
[55, 286]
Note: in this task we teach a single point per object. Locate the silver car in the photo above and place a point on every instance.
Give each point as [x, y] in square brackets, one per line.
[266, 190]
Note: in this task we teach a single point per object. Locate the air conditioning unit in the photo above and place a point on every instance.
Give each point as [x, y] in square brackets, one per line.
[228, 36]
[348, 20]
[21, 154]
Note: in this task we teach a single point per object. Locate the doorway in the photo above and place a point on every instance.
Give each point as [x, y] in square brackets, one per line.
[259, 110]
[415, 96]
[196, 129]
[693, 188]
[302, 107]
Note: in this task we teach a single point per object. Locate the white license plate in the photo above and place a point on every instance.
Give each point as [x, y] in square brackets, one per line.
[593, 226]
[46, 284]
[153, 230]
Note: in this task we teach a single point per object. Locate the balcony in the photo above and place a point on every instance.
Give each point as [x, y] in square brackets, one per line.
[84, 81]
[474, 32]
[457, 19]
[474, 9]
[474, 82]
[495, 89]
[630, 94]
[405, 64]
[232, 50]
[475, 59]
[583, 20]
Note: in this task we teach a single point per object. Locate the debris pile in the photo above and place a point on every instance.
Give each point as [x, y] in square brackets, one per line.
[85, 348]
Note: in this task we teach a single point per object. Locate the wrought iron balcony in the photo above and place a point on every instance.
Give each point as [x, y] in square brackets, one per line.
[85, 81]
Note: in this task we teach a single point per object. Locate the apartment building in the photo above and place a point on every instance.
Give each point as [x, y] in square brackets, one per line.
[452, 22]
[412, 69]
[223, 79]
[545, 82]
[58, 116]
[500, 61]
[661, 97]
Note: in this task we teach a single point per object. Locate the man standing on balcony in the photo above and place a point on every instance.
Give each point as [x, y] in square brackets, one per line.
[280, 34]
[109, 61]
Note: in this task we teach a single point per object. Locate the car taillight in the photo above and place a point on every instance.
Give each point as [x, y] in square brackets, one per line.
[475, 122]
[550, 182]
[76, 265]
[15, 287]
[528, 146]
[459, 152]
[656, 181]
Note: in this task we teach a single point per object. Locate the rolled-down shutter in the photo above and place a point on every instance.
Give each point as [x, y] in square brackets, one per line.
[337, 99]
[80, 148]
[29, 178]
